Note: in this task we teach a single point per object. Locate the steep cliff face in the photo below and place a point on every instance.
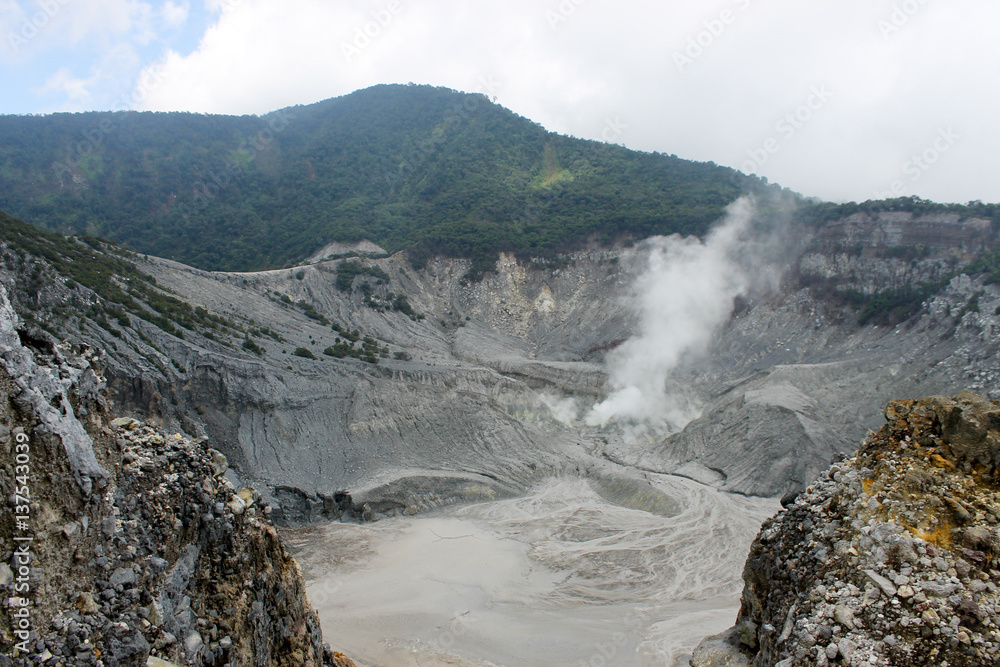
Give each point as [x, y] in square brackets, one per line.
[940, 231]
[124, 545]
[890, 557]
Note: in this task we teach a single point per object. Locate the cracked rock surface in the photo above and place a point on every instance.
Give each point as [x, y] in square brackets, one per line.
[159, 561]
[891, 557]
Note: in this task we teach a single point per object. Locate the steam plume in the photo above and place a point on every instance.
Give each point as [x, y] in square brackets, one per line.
[563, 409]
[684, 295]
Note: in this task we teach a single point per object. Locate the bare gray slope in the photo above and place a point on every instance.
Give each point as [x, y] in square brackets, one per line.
[462, 406]
[790, 381]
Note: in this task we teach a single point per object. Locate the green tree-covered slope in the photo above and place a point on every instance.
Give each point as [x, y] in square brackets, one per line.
[409, 167]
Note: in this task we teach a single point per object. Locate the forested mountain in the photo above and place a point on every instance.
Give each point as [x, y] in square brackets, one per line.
[417, 167]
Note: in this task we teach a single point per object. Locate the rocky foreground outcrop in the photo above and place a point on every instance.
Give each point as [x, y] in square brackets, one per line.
[125, 545]
[891, 557]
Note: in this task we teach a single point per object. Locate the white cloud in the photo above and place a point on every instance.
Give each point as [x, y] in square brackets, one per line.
[30, 28]
[222, 5]
[105, 20]
[102, 81]
[76, 89]
[10, 12]
[175, 14]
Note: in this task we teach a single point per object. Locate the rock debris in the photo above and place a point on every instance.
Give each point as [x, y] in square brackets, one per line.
[891, 557]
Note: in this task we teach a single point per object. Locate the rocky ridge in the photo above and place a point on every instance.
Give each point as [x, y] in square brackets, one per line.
[125, 545]
[891, 557]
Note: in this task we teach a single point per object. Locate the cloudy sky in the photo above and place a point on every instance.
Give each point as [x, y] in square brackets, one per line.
[840, 99]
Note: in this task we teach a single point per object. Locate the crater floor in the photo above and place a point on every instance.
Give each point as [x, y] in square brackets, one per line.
[562, 575]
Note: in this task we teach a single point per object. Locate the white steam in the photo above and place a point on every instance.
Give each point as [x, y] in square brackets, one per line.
[684, 295]
[564, 409]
